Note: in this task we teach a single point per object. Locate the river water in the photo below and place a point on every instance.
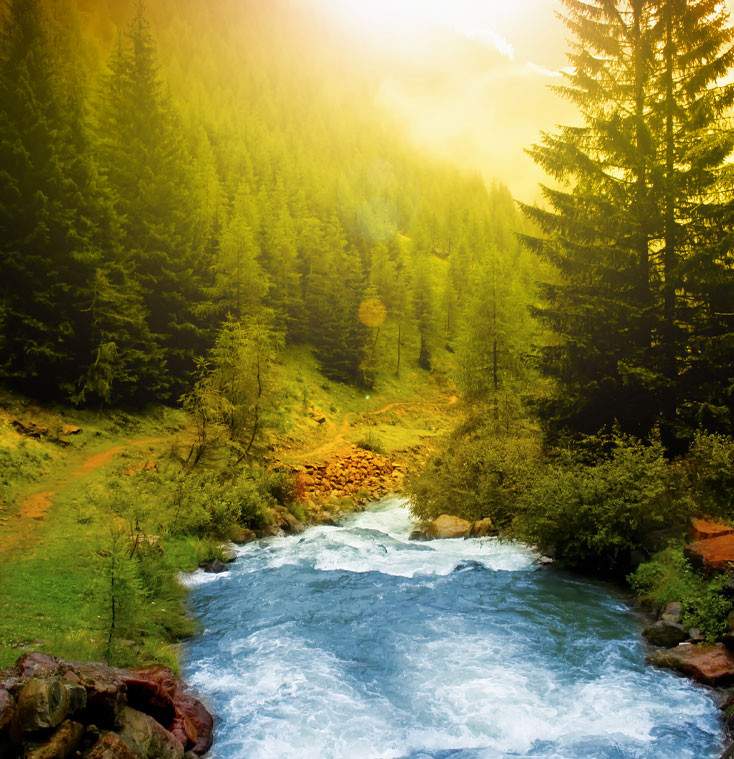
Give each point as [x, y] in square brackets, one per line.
[352, 642]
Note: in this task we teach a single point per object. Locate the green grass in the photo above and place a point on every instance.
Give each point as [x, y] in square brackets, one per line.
[54, 576]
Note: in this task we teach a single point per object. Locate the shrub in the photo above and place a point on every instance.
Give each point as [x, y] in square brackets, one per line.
[669, 577]
[709, 468]
[606, 515]
[478, 475]
[371, 442]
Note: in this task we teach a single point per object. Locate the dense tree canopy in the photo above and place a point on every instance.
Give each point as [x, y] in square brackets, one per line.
[158, 184]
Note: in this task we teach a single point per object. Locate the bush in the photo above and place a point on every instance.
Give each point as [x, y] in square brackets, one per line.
[479, 475]
[210, 505]
[370, 442]
[709, 468]
[669, 577]
[606, 515]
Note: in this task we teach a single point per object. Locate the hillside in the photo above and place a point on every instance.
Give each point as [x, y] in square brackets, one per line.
[66, 472]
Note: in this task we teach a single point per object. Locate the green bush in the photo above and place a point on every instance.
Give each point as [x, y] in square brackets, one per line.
[669, 577]
[208, 504]
[478, 475]
[607, 514]
[709, 468]
[371, 442]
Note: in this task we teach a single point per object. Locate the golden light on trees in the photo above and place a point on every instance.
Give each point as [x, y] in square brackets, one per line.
[372, 312]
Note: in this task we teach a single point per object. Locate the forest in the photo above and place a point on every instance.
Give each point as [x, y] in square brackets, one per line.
[219, 246]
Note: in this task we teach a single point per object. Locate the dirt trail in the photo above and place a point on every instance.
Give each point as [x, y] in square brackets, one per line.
[337, 443]
[18, 530]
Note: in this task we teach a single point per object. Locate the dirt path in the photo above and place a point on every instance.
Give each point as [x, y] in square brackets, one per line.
[338, 443]
[18, 530]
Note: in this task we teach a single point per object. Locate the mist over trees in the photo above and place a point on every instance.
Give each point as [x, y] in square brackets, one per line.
[155, 185]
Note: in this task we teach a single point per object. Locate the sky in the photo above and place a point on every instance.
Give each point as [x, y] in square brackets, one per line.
[469, 79]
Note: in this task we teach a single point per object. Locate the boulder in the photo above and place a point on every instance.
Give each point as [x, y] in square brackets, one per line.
[42, 703]
[111, 746]
[672, 613]
[215, 566]
[62, 744]
[106, 692]
[191, 723]
[708, 664]
[712, 553]
[419, 534]
[242, 534]
[38, 665]
[703, 529]
[7, 708]
[665, 634]
[482, 528]
[147, 738]
[447, 526]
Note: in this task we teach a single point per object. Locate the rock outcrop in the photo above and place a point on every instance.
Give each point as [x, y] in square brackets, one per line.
[358, 474]
[712, 548]
[52, 709]
[712, 554]
[708, 664]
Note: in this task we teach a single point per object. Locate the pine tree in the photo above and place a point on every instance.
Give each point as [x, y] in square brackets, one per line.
[145, 162]
[694, 139]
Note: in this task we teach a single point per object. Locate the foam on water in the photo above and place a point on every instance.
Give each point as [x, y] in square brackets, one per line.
[355, 642]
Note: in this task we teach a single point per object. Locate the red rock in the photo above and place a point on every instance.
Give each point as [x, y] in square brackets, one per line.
[191, 723]
[712, 553]
[703, 529]
[708, 664]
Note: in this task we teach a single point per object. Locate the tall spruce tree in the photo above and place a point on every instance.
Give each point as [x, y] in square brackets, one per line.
[630, 179]
[145, 162]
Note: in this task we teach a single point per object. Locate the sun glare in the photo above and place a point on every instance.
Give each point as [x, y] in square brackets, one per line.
[484, 20]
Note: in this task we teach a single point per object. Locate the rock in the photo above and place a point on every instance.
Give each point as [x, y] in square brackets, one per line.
[708, 664]
[146, 737]
[482, 528]
[215, 566]
[665, 634]
[696, 635]
[42, 703]
[447, 526]
[229, 554]
[70, 429]
[7, 708]
[242, 534]
[37, 665]
[106, 692]
[703, 529]
[289, 523]
[419, 534]
[672, 613]
[30, 429]
[192, 724]
[712, 553]
[111, 746]
[62, 744]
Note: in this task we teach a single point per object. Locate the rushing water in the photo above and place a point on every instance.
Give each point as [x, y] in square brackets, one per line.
[352, 642]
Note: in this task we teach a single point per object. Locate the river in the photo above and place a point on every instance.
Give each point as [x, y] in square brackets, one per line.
[352, 642]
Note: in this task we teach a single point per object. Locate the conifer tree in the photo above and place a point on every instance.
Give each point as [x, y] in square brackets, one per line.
[145, 162]
[633, 178]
